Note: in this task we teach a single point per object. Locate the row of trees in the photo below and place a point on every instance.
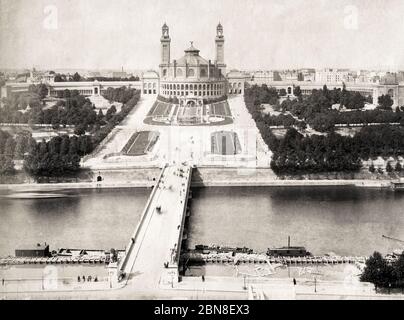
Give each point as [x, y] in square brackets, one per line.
[122, 95]
[13, 149]
[77, 77]
[296, 153]
[332, 152]
[58, 157]
[326, 121]
[74, 109]
[61, 155]
[316, 108]
[261, 94]
[116, 118]
[382, 273]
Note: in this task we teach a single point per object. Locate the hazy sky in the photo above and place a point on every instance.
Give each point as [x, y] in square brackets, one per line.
[259, 34]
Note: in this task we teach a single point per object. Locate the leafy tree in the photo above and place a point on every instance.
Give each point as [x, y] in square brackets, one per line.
[6, 165]
[76, 77]
[377, 271]
[297, 91]
[9, 147]
[398, 167]
[80, 129]
[398, 271]
[21, 146]
[110, 113]
[385, 102]
[372, 168]
[389, 168]
[282, 92]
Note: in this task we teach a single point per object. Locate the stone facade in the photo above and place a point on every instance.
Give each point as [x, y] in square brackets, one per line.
[192, 78]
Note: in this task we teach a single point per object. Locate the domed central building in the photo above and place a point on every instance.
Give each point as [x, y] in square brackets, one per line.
[192, 90]
[192, 79]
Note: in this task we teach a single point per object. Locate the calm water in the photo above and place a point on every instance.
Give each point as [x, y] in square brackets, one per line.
[343, 220]
[92, 219]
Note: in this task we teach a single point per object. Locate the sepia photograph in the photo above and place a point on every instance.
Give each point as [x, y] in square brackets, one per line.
[229, 150]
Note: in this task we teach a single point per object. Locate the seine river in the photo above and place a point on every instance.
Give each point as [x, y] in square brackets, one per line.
[343, 220]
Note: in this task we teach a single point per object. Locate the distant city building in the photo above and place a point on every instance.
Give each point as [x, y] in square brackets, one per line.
[262, 77]
[308, 75]
[332, 75]
[40, 76]
[119, 74]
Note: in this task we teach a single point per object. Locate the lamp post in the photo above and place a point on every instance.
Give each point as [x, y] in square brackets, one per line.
[315, 284]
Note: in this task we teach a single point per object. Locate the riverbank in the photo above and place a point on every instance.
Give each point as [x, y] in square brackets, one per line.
[202, 177]
[257, 177]
[111, 178]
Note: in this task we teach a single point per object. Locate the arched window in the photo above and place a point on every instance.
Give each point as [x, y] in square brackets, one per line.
[179, 72]
[191, 72]
[164, 72]
[203, 72]
[182, 86]
[186, 87]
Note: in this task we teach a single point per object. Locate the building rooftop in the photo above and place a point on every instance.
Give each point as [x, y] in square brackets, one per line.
[191, 57]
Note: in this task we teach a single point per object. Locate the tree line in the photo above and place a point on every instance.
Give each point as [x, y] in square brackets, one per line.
[122, 95]
[13, 149]
[317, 110]
[295, 153]
[58, 157]
[60, 77]
[61, 155]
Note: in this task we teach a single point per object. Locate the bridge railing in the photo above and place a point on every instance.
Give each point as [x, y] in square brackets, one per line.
[132, 241]
[178, 252]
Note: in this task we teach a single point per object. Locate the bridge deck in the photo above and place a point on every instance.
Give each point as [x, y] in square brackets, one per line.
[157, 238]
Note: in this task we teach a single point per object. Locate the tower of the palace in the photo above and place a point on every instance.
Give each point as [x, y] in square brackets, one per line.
[220, 49]
[165, 45]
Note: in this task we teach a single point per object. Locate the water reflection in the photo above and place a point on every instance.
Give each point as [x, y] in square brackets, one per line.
[344, 220]
[86, 218]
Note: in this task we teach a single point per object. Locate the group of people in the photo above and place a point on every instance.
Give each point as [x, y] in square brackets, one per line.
[89, 279]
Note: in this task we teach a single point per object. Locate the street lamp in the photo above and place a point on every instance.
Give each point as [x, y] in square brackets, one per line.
[315, 284]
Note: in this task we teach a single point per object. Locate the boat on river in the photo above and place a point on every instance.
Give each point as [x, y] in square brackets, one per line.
[288, 251]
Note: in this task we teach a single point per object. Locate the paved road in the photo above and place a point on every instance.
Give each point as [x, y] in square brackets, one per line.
[180, 143]
[158, 232]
